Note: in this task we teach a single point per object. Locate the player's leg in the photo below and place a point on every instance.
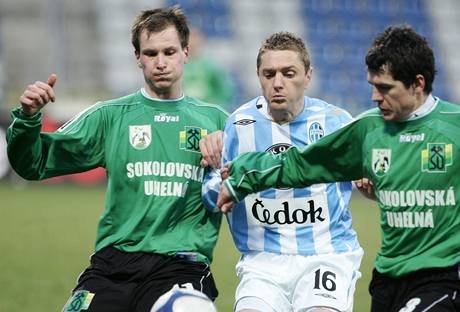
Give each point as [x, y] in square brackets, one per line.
[263, 282]
[101, 287]
[384, 292]
[169, 273]
[432, 290]
[327, 282]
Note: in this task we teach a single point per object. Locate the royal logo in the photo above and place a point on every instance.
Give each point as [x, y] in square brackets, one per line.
[315, 132]
[163, 117]
[140, 137]
[436, 157]
[381, 161]
[189, 139]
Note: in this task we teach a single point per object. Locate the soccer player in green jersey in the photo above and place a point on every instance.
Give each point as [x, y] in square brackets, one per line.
[154, 233]
[408, 149]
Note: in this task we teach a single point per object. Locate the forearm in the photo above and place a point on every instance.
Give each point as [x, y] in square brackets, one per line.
[318, 163]
[24, 148]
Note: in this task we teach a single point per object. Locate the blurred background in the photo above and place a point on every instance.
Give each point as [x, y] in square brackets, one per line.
[87, 44]
[47, 229]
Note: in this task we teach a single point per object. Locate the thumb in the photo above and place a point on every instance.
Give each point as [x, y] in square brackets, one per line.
[52, 80]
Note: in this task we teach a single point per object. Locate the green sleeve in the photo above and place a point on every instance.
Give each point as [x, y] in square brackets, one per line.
[36, 155]
[336, 157]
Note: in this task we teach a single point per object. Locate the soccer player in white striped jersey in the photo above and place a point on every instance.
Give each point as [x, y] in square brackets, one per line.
[299, 251]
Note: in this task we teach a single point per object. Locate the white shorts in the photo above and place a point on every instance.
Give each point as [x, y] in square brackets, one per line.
[276, 282]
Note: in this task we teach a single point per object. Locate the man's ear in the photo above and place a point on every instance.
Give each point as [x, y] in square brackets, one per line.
[186, 53]
[419, 84]
[308, 75]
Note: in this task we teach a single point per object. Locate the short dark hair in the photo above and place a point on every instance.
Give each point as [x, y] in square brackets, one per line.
[405, 52]
[285, 41]
[157, 20]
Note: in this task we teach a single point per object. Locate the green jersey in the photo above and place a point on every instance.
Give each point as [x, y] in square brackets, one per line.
[150, 151]
[413, 166]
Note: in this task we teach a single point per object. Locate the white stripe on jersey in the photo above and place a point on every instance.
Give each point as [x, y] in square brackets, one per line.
[321, 234]
[288, 241]
[247, 143]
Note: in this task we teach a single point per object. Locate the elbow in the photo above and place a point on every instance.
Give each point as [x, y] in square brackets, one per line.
[24, 171]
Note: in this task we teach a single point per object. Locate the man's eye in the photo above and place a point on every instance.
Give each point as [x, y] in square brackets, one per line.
[383, 88]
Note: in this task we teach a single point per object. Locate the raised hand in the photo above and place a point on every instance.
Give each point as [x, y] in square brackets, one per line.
[37, 95]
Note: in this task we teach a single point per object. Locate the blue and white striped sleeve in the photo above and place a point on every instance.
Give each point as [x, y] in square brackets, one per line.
[210, 189]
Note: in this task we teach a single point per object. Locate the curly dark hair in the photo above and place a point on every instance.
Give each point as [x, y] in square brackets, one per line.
[159, 19]
[284, 40]
[405, 52]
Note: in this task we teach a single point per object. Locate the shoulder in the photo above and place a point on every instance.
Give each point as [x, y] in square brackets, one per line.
[331, 111]
[448, 107]
[113, 108]
[129, 99]
[247, 112]
[373, 113]
[205, 107]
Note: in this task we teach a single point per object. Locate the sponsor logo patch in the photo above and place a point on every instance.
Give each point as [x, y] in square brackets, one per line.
[279, 148]
[140, 136]
[80, 301]
[436, 157]
[381, 161]
[189, 139]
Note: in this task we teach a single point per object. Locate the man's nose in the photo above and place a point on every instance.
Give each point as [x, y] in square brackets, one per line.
[376, 95]
[278, 81]
[160, 61]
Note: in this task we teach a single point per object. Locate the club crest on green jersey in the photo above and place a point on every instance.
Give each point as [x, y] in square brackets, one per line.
[381, 160]
[436, 157]
[189, 139]
[140, 136]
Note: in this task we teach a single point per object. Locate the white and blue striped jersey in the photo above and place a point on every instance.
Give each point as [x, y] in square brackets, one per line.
[306, 221]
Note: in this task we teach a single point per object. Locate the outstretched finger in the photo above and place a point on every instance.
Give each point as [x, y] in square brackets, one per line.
[51, 82]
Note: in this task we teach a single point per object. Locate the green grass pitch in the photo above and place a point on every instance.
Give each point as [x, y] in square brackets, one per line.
[48, 233]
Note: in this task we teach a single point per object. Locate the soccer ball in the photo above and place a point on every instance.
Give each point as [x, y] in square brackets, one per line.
[183, 300]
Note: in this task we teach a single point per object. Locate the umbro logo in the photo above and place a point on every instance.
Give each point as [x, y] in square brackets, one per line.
[244, 122]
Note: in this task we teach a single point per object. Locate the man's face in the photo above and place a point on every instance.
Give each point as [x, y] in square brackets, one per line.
[395, 101]
[283, 79]
[161, 58]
